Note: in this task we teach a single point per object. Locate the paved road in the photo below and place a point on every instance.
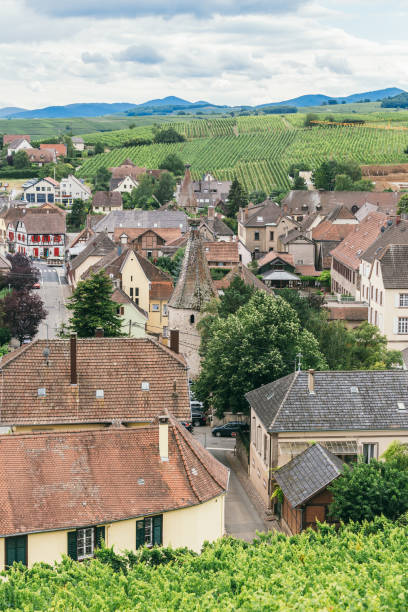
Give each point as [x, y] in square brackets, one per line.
[54, 292]
[241, 517]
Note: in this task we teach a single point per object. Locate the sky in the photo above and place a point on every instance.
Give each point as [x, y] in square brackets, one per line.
[56, 52]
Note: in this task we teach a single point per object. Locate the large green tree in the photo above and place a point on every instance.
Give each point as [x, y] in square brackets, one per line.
[237, 198]
[91, 307]
[164, 190]
[255, 345]
[23, 313]
[20, 160]
[173, 164]
[59, 170]
[403, 204]
[77, 217]
[102, 179]
[168, 135]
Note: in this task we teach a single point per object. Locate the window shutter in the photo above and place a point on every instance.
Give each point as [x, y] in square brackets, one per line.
[140, 534]
[395, 325]
[99, 536]
[157, 529]
[72, 545]
[16, 550]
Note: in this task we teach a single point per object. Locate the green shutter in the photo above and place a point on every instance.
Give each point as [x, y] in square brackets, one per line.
[16, 550]
[157, 529]
[99, 536]
[72, 545]
[140, 534]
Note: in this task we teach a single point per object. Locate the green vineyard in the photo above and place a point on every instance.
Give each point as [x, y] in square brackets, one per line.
[258, 150]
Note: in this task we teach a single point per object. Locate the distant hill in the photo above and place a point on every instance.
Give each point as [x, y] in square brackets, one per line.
[10, 110]
[318, 99]
[399, 101]
[73, 110]
[168, 101]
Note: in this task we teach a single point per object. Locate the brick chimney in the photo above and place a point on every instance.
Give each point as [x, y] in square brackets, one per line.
[99, 332]
[211, 212]
[164, 437]
[73, 354]
[174, 340]
[311, 382]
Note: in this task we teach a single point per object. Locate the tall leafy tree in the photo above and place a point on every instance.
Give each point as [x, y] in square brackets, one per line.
[23, 274]
[102, 179]
[23, 313]
[20, 160]
[92, 307]
[77, 217]
[251, 347]
[173, 164]
[237, 198]
[164, 189]
[99, 148]
[403, 204]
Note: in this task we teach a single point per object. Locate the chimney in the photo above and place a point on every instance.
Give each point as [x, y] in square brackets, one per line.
[174, 340]
[164, 438]
[311, 382]
[73, 350]
[211, 212]
[99, 332]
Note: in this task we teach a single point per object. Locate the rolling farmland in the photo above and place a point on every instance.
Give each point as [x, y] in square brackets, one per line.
[259, 149]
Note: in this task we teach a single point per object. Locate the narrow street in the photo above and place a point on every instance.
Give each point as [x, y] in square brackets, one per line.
[242, 519]
[54, 292]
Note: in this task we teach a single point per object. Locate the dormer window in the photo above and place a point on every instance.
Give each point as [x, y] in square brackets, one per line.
[145, 386]
[41, 392]
[259, 219]
[100, 394]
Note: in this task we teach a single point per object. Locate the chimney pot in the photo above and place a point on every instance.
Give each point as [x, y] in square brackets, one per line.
[174, 340]
[311, 382]
[211, 212]
[99, 332]
[164, 437]
[73, 351]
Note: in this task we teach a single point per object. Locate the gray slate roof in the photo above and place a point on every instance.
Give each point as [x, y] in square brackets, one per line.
[142, 218]
[393, 234]
[286, 405]
[100, 244]
[307, 474]
[303, 202]
[218, 227]
[268, 211]
[394, 266]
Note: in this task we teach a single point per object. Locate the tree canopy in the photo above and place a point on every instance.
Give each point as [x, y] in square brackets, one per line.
[340, 176]
[23, 313]
[173, 164]
[237, 198]
[20, 159]
[102, 179]
[403, 204]
[77, 216]
[91, 307]
[23, 274]
[168, 135]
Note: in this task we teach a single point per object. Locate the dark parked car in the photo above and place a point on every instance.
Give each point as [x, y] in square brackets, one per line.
[229, 429]
[198, 418]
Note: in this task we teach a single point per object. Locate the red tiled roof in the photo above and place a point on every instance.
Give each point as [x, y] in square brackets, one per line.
[347, 313]
[307, 270]
[269, 257]
[116, 365]
[57, 480]
[7, 138]
[359, 239]
[59, 148]
[167, 234]
[245, 275]
[223, 252]
[161, 290]
[40, 155]
[327, 230]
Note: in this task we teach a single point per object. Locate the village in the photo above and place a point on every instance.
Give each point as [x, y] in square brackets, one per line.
[132, 416]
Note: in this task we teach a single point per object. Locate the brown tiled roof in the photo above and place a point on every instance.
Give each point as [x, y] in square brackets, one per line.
[168, 234]
[108, 199]
[7, 138]
[195, 286]
[349, 251]
[268, 211]
[116, 365]
[217, 226]
[307, 270]
[244, 274]
[111, 263]
[38, 491]
[293, 235]
[340, 212]
[59, 148]
[127, 168]
[272, 255]
[344, 312]
[326, 230]
[223, 252]
[393, 234]
[152, 272]
[44, 221]
[40, 155]
[161, 291]
[394, 266]
[120, 297]
[99, 245]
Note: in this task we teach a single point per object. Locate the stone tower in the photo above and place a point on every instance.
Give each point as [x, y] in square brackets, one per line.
[194, 289]
[186, 198]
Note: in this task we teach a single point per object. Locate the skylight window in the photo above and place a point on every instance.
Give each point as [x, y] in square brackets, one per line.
[260, 219]
[145, 386]
[401, 406]
[100, 394]
[41, 392]
[354, 390]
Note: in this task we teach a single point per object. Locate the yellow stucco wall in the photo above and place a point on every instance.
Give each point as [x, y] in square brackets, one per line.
[157, 320]
[189, 527]
[89, 261]
[134, 277]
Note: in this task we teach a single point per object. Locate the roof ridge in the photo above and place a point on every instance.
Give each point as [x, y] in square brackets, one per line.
[183, 458]
[295, 376]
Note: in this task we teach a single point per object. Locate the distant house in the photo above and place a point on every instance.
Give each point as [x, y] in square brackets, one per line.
[351, 314]
[223, 255]
[351, 414]
[245, 275]
[330, 232]
[106, 201]
[213, 228]
[304, 481]
[278, 270]
[142, 219]
[210, 192]
[123, 185]
[127, 176]
[150, 242]
[8, 138]
[72, 188]
[59, 149]
[302, 249]
[97, 247]
[134, 319]
[19, 144]
[148, 486]
[39, 157]
[78, 143]
[39, 233]
[39, 191]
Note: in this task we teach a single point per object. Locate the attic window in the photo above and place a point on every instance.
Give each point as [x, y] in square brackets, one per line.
[154, 224]
[354, 390]
[145, 386]
[140, 481]
[259, 219]
[401, 406]
[41, 392]
[194, 471]
[270, 395]
[100, 394]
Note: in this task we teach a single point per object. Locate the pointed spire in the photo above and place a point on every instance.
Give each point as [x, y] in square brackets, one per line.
[186, 198]
[194, 286]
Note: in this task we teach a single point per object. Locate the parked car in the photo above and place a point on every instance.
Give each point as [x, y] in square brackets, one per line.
[196, 405]
[198, 418]
[229, 429]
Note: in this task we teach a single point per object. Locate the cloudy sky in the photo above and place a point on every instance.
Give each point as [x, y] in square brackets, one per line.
[225, 51]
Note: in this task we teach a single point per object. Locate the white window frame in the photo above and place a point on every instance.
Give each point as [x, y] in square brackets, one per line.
[402, 325]
[148, 529]
[403, 300]
[86, 543]
[369, 451]
[155, 307]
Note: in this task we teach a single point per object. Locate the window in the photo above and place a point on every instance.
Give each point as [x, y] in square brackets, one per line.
[149, 254]
[403, 325]
[131, 292]
[256, 235]
[165, 331]
[137, 291]
[192, 319]
[376, 270]
[16, 550]
[149, 531]
[376, 295]
[82, 542]
[369, 452]
[37, 189]
[253, 430]
[403, 300]
[271, 235]
[155, 307]
[165, 312]
[258, 439]
[265, 448]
